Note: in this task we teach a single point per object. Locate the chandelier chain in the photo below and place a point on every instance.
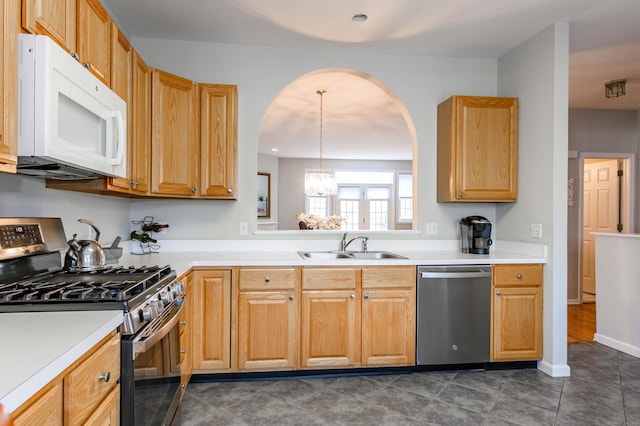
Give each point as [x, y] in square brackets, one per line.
[321, 93]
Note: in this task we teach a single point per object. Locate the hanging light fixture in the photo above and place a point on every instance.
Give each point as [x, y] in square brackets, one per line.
[320, 182]
[615, 88]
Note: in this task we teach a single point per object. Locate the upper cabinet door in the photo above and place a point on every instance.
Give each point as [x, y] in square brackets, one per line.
[478, 149]
[9, 27]
[94, 38]
[54, 18]
[121, 56]
[218, 141]
[174, 147]
[140, 141]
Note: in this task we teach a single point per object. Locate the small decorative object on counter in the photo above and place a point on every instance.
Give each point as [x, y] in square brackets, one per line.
[144, 238]
[311, 221]
[113, 252]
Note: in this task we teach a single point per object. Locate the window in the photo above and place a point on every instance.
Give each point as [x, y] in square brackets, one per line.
[405, 197]
[367, 200]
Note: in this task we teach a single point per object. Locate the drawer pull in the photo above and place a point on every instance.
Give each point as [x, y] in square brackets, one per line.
[519, 276]
[353, 296]
[499, 293]
[291, 297]
[106, 377]
[366, 296]
[267, 280]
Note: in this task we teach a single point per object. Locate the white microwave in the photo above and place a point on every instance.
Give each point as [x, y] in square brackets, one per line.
[71, 125]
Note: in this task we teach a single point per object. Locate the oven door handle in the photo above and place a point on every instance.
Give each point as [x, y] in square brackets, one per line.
[144, 341]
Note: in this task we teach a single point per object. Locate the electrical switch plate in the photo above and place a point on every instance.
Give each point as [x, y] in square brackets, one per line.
[432, 228]
[244, 228]
[536, 230]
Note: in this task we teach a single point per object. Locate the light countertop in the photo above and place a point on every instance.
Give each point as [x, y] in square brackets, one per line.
[38, 346]
[183, 256]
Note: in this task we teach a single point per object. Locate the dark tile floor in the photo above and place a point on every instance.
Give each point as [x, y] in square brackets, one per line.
[604, 389]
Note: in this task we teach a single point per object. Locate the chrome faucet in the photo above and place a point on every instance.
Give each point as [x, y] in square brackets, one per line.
[344, 243]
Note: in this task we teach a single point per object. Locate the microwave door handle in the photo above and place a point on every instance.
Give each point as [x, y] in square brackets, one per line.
[117, 161]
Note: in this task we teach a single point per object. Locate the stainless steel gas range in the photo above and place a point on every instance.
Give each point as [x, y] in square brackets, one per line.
[150, 298]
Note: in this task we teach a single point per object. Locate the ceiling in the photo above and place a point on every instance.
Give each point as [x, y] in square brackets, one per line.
[604, 45]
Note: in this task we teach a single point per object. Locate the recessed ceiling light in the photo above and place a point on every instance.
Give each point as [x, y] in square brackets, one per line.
[359, 17]
[274, 149]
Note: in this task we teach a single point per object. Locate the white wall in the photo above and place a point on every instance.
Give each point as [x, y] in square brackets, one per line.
[537, 73]
[261, 72]
[28, 197]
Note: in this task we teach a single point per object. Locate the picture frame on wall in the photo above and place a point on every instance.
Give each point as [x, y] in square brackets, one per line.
[264, 195]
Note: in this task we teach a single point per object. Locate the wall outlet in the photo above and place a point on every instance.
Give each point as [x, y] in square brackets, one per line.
[431, 228]
[244, 228]
[536, 230]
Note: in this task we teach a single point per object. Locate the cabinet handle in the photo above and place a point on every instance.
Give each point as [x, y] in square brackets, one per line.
[267, 280]
[183, 351]
[291, 297]
[460, 194]
[193, 190]
[229, 190]
[75, 55]
[366, 296]
[183, 323]
[499, 293]
[87, 65]
[353, 296]
[182, 385]
[106, 377]
[519, 276]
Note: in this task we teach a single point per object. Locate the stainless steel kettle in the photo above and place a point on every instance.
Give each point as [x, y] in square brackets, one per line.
[84, 255]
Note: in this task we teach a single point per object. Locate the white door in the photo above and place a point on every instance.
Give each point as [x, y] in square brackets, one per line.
[600, 214]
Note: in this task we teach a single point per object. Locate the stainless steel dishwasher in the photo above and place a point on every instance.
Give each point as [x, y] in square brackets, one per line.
[453, 314]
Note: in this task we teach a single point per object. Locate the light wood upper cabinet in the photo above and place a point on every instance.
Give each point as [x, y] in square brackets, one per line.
[140, 113]
[267, 319]
[218, 146]
[121, 60]
[516, 313]
[478, 149]
[9, 27]
[94, 38]
[210, 322]
[174, 146]
[54, 18]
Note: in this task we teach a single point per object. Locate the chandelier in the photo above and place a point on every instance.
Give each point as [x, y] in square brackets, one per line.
[320, 182]
[615, 88]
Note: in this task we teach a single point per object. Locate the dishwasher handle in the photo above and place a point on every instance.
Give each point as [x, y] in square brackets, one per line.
[468, 274]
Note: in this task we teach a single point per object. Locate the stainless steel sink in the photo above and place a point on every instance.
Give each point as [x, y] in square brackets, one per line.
[309, 255]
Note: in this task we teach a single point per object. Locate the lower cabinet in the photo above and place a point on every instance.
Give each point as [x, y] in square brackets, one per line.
[211, 321]
[516, 312]
[358, 316]
[186, 358]
[89, 393]
[267, 319]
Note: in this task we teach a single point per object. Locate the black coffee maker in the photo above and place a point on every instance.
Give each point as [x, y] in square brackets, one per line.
[475, 235]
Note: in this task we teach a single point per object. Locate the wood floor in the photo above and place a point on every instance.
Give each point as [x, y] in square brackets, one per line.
[581, 322]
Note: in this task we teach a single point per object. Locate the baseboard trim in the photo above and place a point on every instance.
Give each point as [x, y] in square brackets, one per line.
[618, 345]
[554, 370]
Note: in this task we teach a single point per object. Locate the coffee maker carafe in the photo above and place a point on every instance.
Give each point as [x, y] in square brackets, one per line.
[475, 235]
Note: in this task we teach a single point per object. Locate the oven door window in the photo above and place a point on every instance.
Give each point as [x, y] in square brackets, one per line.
[157, 380]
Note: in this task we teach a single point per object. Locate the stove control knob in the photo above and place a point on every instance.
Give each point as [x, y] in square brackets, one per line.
[177, 288]
[148, 313]
[166, 297]
[158, 306]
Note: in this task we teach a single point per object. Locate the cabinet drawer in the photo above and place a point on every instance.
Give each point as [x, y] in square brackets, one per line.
[517, 275]
[389, 277]
[329, 278]
[89, 383]
[267, 279]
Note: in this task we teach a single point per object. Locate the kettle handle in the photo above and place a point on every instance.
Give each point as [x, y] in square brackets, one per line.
[91, 224]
